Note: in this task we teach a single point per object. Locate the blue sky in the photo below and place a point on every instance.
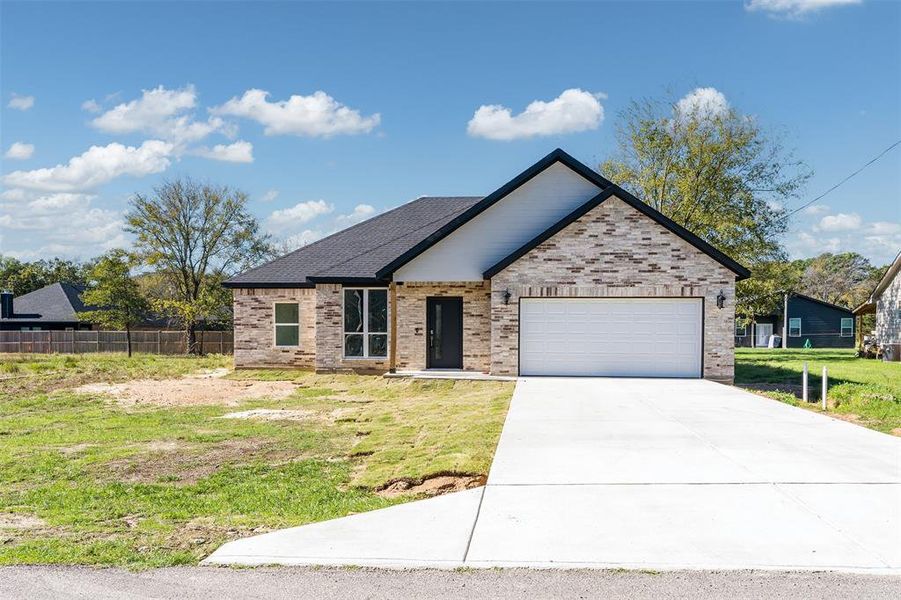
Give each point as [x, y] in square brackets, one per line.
[158, 90]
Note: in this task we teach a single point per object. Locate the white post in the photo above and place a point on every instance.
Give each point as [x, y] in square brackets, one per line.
[825, 385]
[804, 384]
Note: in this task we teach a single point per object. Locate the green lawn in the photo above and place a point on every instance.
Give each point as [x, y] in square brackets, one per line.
[87, 480]
[863, 390]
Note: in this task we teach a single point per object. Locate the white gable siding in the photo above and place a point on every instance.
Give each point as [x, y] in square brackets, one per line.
[514, 220]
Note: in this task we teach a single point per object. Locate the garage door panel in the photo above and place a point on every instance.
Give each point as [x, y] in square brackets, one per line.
[637, 337]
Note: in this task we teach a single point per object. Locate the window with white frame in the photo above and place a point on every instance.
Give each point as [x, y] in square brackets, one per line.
[794, 327]
[287, 324]
[741, 330]
[365, 323]
[848, 327]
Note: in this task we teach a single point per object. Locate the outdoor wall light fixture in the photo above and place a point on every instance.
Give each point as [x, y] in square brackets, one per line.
[507, 296]
[720, 299]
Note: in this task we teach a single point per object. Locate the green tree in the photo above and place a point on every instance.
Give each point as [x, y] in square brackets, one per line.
[764, 291]
[846, 279]
[715, 172]
[115, 294]
[23, 277]
[194, 236]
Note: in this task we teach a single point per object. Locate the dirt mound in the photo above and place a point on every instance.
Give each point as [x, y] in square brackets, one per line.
[432, 486]
[194, 390]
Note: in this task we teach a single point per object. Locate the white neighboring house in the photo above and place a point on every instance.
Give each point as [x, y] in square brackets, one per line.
[885, 301]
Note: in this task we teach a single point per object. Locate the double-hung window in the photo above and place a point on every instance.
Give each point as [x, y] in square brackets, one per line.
[741, 330]
[848, 327]
[287, 324]
[365, 323]
[794, 327]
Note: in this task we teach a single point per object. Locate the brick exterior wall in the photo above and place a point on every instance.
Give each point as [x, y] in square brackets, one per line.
[614, 250]
[254, 315]
[888, 314]
[411, 322]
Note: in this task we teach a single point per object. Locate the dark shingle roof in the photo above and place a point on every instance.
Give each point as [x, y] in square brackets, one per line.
[57, 302]
[358, 252]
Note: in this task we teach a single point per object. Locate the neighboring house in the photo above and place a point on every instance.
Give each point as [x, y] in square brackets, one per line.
[558, 272]
[885, 302]
[52, 307]
[805, 319]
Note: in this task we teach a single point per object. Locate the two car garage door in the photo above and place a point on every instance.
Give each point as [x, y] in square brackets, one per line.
[613, 337]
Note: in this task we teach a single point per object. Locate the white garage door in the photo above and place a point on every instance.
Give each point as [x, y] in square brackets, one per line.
[614, 337]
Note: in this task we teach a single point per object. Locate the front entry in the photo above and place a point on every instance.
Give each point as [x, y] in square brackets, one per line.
[444, 324]
[764, 331]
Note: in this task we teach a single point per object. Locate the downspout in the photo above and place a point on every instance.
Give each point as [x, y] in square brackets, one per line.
[392, 358]
[785, 321]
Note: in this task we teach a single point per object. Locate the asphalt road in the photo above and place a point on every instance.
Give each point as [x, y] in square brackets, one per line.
[190, 583]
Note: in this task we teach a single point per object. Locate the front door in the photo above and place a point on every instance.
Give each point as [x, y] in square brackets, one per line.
[764, 331]
[444, 324]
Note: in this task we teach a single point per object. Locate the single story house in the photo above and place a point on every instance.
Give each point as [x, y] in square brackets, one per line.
[51, 308]
[557, 272]
[805, 319]
[885, 302]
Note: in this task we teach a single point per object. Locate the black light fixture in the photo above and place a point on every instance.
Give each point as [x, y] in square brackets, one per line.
[507, 296]
[720, 299]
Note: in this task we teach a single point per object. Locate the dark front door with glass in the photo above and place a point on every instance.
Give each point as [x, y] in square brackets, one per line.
[444, 329]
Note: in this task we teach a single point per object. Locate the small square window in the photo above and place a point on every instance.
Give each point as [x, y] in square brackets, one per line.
[848, 327]
[794, 327]
[741, 330]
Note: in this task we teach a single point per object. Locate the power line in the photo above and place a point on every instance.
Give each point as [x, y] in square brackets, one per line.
[821, 196]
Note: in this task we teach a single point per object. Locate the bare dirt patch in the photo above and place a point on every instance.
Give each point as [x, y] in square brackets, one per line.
[193, 390]
[432, 486]
[16, 521]
[173, 462]
[271, 414]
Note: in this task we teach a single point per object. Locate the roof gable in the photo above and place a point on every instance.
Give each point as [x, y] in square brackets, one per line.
[557, 156]
[57, 302]
[740, 271]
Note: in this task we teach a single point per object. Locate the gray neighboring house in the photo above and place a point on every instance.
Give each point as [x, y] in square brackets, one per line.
[557, 272]
[52, 307]
[885, 302]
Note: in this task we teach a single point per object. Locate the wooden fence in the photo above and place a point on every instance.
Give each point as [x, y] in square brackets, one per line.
[77, 342]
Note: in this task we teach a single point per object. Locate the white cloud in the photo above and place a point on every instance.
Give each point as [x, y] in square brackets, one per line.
[91, 106]
[794, 9]
[316, 115]
[238, 152]
[20, 102]
[96, 166]
[360, 213]
[302, 212]
[815, 209]
[877, 240]
[702, 103]
[839, 222]
[269, 196]
[19, 151]
[162, 113]
[572, 111]
[57, 224]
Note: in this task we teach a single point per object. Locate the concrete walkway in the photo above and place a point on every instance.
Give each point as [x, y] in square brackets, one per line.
[638, 473]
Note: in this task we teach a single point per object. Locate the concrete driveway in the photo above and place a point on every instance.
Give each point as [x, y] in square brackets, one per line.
[639, 473]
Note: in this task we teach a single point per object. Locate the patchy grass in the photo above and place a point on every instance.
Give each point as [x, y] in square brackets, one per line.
[862, 390]
[88, 480]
